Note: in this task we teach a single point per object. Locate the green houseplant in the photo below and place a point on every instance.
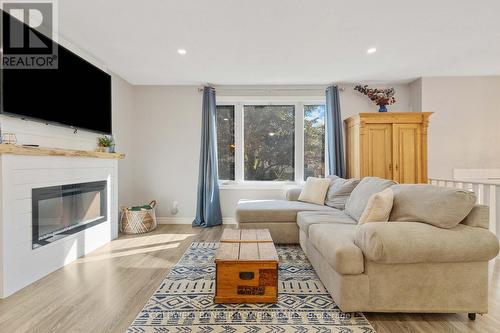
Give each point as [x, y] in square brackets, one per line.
[105, 144]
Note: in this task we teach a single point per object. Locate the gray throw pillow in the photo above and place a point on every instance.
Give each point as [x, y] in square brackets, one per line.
[358, 200]
[339, 191]
[440, 206]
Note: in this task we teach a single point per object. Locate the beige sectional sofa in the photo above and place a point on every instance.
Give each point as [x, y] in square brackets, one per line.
[431, 257]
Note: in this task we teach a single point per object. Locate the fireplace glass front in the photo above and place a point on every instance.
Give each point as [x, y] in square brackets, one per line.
[59, 211]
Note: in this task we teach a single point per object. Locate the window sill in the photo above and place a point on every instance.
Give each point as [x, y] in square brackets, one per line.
[258, 186]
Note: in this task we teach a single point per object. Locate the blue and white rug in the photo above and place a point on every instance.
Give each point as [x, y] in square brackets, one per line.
[184, 301]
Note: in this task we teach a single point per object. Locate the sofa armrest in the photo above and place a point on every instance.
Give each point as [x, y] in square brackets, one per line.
[293, 194]
[479, 216]
[416, 242]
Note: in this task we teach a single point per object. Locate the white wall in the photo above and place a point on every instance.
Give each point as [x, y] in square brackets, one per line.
[167, 122]
[123, 134]
[31, 132]
[464, 130]
[416, 95]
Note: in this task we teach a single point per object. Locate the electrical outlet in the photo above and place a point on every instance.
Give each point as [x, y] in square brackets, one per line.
[175, 208]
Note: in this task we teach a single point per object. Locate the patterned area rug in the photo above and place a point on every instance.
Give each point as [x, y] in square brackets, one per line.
[184, 301]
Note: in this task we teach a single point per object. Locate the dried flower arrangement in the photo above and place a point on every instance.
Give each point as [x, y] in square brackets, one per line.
[380, 97]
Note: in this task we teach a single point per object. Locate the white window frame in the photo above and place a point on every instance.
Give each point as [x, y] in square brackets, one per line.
[239, 103]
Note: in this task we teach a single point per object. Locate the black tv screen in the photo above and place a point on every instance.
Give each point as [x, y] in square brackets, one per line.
[75, 94]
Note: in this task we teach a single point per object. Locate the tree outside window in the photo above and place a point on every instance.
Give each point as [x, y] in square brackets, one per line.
[269, 140]
[225, 141]
[314, 141]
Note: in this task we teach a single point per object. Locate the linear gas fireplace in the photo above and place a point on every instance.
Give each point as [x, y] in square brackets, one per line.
[59, 211]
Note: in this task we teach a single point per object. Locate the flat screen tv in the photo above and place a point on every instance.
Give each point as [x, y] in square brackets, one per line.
[75, 94]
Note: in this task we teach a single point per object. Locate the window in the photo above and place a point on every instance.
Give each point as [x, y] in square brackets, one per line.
[269, 142]
[314, 141]
[225, 141]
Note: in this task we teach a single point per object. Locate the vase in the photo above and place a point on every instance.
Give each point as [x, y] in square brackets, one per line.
[382, 108]
[103, 149]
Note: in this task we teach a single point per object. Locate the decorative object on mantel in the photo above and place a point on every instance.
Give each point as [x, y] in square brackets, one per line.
[9, 138]
[381, 97]
[105, 144]
[138, 219]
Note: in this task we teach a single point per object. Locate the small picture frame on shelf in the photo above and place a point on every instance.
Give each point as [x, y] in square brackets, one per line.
[9, 138]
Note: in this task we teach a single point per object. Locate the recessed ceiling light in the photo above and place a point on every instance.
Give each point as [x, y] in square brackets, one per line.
[371, 50]
[181, 51]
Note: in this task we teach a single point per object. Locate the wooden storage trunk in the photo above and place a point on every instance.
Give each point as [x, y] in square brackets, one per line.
[246, 267]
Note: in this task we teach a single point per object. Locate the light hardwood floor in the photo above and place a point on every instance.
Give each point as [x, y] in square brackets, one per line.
[104, 291]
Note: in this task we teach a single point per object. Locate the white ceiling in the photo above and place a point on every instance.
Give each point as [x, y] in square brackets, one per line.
[287, 41]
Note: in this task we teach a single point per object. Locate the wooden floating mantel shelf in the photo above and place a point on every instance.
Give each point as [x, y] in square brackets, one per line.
[41, 151]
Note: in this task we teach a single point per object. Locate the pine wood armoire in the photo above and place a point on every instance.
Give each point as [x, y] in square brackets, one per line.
[390, 145]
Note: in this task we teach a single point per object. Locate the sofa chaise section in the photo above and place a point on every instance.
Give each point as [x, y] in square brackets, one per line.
[279, 216]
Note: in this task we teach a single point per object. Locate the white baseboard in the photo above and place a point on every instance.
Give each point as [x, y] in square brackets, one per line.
[188, 220]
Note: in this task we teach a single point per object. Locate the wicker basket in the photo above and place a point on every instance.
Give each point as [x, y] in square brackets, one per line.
[138, 221]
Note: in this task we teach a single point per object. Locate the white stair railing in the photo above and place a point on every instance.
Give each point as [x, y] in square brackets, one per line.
[487, 192]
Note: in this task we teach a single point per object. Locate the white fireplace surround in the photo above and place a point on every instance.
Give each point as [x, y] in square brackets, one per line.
[20, 265]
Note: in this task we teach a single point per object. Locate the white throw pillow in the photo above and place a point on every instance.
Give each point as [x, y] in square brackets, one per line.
[315, 190]
[378, 208]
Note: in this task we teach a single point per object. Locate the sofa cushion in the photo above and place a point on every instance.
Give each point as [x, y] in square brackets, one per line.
[479, 217]
[440, 206]
[339, 191]
[335, 242]
[306, 219]
[314, 190]
[378, 208]
[368, 186]
[415, 242]
[248, 211]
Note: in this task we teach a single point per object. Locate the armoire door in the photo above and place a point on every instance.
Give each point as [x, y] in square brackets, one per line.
[378, 151]
[407, 153]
